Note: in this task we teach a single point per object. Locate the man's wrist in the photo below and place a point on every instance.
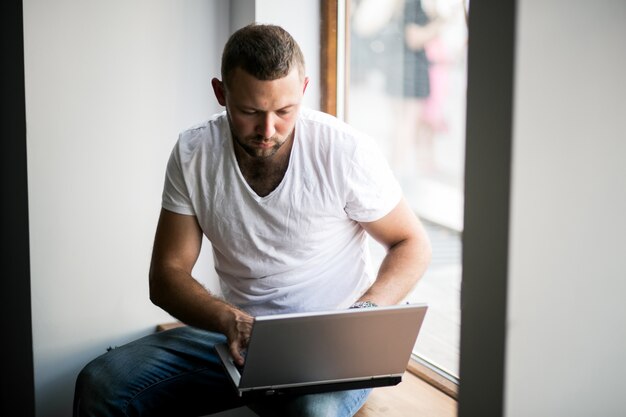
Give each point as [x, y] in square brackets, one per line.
[364, 304]
[226, 316]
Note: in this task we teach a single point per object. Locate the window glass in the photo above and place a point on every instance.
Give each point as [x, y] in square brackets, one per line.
[406, 88]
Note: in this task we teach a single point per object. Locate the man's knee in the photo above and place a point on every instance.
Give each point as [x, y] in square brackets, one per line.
[92, 391]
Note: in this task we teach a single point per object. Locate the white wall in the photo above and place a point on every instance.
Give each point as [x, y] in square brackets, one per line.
[109, 84]
[566, 338]
[302, 20]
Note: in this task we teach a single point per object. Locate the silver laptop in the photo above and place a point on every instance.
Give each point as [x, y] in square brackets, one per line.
[326, 351]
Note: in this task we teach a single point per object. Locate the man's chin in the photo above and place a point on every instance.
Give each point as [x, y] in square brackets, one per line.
[265, 153]
[260, 153]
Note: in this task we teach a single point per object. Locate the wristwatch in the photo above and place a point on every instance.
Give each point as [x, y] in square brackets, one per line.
[363, 304]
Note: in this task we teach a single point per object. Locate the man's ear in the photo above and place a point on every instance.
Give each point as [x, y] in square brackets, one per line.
[218, 89]
[306, 83]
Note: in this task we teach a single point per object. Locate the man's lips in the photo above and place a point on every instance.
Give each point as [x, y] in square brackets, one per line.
[262, 144]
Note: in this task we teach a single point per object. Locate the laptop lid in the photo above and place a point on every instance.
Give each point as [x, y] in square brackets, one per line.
[322, 351]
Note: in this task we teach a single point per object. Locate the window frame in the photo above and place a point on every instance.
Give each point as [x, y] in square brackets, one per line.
[330, 14]
[328, 56]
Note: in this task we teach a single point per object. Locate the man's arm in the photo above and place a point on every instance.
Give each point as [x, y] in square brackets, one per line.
[408, 255]
[176, 248]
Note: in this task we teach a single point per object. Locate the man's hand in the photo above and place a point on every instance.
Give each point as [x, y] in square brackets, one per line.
[238, 334]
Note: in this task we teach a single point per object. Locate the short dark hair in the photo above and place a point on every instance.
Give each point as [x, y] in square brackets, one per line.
[267, 52]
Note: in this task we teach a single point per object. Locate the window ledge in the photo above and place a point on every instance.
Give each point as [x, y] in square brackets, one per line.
[444, 382]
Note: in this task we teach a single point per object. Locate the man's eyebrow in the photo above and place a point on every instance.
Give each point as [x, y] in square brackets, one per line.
[252, 108]
[286, 107]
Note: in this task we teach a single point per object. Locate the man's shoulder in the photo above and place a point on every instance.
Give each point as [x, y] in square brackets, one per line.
[215, 123]
[203, 135]
[322, 126]
[316, 117]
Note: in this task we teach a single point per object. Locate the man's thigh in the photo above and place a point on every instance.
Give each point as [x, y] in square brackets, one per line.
[176, 372]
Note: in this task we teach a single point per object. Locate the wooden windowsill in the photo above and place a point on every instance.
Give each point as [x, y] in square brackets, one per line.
[411, 397]
[170, 325]
[434, 378]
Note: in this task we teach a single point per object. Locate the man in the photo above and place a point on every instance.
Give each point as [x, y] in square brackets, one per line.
[286, 196]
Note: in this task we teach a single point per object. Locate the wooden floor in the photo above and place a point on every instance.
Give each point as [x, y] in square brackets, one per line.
[411, 397]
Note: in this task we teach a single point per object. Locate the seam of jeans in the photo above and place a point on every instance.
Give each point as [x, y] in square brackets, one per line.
[357, 404]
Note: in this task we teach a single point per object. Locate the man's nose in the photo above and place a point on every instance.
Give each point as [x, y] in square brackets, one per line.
[266, 126]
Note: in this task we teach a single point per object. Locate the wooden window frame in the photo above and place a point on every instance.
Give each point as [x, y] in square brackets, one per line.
[328, 58]
[329, 68]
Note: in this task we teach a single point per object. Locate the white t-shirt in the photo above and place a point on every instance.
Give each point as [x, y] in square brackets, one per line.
[300, 248]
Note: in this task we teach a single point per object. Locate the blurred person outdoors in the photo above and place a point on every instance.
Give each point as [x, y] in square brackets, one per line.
[405, 41]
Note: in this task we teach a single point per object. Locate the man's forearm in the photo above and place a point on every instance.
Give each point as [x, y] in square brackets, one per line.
[399, 272]
[183, 297]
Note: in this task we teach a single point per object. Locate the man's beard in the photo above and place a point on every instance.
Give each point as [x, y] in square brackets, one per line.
[257, 152]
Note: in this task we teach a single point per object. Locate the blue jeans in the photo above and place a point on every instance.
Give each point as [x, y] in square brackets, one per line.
[178, 373]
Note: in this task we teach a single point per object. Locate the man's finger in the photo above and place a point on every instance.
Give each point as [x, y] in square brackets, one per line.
[234, 351]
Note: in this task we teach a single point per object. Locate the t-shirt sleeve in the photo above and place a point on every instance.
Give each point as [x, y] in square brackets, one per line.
[372, 189]
[175, 191]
